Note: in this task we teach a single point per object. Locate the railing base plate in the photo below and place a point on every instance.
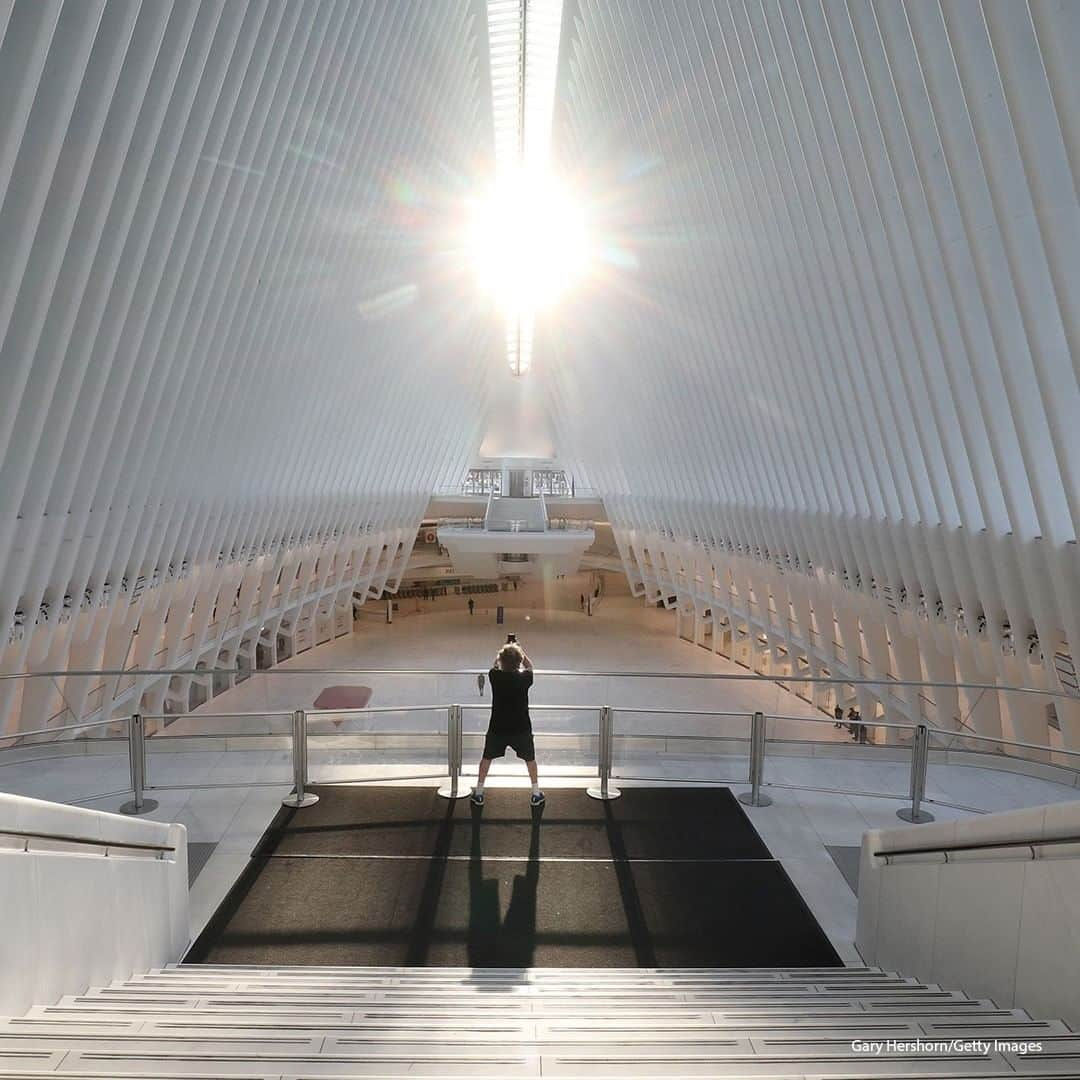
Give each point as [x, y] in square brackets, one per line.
[297, 802]
[600, 793]
[747, 799]
[447, 791]
[131, 808]
[920, 817]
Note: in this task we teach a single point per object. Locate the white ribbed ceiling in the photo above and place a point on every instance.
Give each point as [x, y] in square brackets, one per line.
[835, 321]
[831, 326]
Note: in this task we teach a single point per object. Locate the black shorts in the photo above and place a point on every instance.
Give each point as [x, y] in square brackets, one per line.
[520, 741]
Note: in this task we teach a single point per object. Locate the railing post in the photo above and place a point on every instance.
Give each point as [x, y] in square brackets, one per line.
[753, 797]
[300, 797]
[137, 768]
[453, 789]
[605, 753]
[920, 757]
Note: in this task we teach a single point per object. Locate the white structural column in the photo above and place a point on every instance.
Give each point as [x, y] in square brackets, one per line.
[824, 371]
[238, 343]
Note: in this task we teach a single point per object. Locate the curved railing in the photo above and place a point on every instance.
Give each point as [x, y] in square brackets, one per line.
[617, 745]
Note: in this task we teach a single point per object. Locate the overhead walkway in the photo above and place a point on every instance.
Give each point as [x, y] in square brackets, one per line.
[277, 1023]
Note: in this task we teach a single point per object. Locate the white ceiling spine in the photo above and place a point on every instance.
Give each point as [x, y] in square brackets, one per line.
[837, 328]
[236, 333]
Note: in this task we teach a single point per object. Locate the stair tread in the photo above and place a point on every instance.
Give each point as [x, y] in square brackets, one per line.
[277, 1024]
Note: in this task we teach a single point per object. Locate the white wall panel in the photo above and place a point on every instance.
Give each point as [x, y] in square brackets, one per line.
[830, 332]
[237, 328]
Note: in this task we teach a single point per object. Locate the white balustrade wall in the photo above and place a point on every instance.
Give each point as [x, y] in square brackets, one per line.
[73, 916]
[998, 923]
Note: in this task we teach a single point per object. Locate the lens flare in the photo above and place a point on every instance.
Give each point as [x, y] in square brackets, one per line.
[529, 241]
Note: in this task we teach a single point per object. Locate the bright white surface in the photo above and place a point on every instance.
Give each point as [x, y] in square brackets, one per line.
[998, 924]
[272, 1023]
[73, 916]
[833, 345]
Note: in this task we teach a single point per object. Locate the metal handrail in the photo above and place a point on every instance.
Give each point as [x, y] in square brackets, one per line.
[675, 712]
[63, 838]
[536, 708]
[558, 673]
[375, 709]
[999, 739]
[65, 727]
[981, 845]
[845, 721]
[211, 716]
[120, 671]
[944, 732]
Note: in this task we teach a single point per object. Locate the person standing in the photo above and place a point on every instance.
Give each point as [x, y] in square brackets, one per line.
[853, 718]
[838, 715]
[472, 604]
[582, 601]
[510, 725]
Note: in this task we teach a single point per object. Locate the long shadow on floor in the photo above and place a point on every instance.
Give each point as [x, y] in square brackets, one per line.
[513, 942]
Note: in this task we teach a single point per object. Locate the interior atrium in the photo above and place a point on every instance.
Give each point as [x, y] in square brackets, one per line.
[723, 355]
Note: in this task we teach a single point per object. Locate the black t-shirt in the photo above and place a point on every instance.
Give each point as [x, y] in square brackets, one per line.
[510, 697]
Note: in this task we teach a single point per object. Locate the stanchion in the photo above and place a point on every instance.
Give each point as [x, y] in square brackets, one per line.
[137, 768]
[753, 797]
[453, 788]
[920, 757]
[299, 797]
[605, 749]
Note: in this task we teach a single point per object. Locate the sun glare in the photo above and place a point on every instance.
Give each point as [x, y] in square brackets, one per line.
[528, 240]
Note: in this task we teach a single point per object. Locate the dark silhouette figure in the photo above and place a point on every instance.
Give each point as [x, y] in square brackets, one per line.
[511, 941]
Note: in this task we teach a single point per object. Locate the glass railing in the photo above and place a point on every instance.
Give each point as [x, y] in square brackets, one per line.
[640, 727]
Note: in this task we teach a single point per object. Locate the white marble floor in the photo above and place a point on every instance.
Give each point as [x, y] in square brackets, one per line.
[624, 636]
[798, 827]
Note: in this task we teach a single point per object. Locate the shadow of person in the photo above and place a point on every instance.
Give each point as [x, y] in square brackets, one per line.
[483, 934]
[509, 942]
[517, 941]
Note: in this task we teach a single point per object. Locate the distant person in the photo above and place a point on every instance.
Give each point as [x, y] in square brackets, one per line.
[838, 715]
[472, 604]
[510, 726]
[582, 601]
[853, 718]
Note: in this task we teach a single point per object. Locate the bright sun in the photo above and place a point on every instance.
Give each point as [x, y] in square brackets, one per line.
[528, 240]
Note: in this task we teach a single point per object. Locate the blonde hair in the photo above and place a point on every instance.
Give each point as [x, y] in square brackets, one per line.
[510, 657]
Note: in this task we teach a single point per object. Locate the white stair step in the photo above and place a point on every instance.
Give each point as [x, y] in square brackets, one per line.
[274, 1065]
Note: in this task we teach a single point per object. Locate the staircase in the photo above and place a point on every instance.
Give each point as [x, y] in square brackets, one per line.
[211, 1021]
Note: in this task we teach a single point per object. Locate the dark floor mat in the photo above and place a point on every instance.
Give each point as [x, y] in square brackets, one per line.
[690, 823]
[477, 913]
[382, 875]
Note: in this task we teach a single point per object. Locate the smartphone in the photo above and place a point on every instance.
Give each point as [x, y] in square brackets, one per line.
[511, 638]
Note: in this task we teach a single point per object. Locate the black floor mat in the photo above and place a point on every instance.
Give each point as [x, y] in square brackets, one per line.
[688, 823]
[666, 877]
